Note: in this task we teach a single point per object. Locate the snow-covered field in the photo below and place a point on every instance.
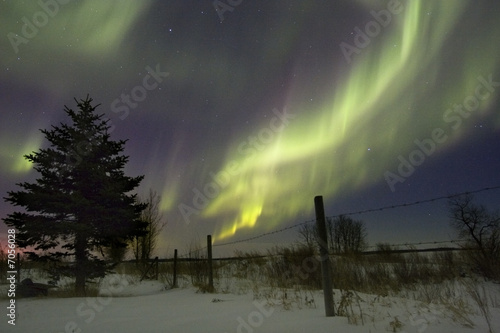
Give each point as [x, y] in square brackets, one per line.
[127, 305]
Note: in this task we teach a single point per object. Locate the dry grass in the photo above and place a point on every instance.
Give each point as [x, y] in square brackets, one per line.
[480, 296]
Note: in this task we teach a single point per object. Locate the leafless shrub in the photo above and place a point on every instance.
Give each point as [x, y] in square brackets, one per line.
[346, 309]
[346, 235]
[380, 278]
[446, 265]
[481, 230]
[295, 265]
[143, 246]
[197, 267]
[479, 295]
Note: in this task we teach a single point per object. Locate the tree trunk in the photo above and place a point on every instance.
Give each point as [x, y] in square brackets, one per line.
[80, 263]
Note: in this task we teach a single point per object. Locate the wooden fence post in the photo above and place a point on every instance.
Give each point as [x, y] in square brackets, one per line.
[174, 283]
[157, 267]
[325, 259]
[210, 266]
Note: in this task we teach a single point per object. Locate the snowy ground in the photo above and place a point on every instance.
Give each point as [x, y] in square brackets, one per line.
[148, 307]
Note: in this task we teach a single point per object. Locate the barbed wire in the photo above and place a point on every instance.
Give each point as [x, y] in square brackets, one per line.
[379, 209]
[418, 202]
[393, 247]
[421, 243]
[265, 234]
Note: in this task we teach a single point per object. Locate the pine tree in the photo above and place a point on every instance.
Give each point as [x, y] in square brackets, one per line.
[81, 203]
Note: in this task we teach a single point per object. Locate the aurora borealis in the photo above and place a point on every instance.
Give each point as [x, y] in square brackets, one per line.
[239, 123]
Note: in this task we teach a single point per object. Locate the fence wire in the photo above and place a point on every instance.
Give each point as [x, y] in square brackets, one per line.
[379, 209]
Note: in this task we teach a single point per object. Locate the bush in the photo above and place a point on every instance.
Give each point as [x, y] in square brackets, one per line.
[348, 274]
[296, 265]
[481, 231]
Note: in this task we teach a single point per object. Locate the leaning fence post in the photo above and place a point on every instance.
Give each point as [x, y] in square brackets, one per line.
[174, 283]
[210, 266]
[325, 259]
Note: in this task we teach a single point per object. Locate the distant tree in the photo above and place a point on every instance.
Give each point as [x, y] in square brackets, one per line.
[144, 245]
[386, 252]
[384, 248]
[308, 236]
[80, 204]
[347, 236]
[481, 230]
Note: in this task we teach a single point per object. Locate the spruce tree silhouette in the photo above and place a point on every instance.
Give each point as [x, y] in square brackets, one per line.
[81, 202]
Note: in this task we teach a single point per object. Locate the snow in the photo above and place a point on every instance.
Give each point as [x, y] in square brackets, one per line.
[126, 305]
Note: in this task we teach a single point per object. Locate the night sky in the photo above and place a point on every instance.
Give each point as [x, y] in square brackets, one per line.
[239, 117]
